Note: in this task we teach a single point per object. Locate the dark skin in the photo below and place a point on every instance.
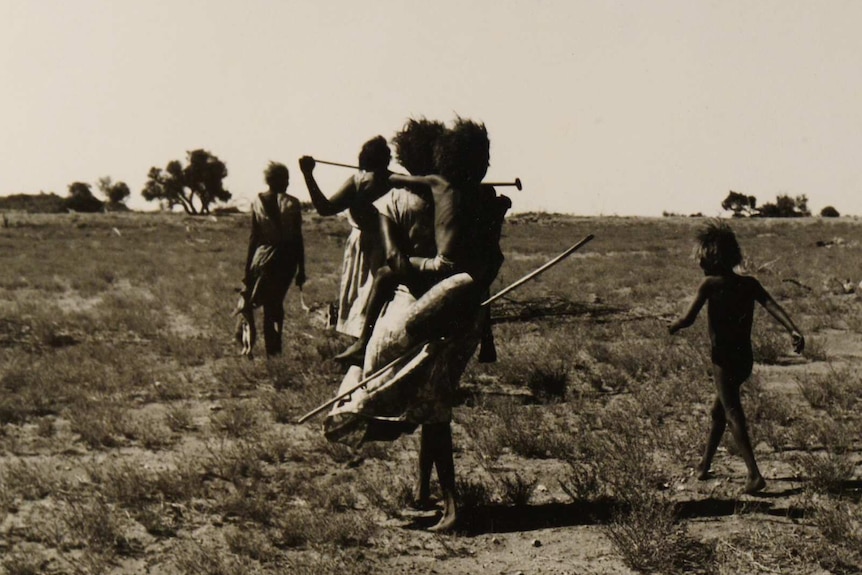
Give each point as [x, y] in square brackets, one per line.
[730, 299]
[348, 196]
[435, 442]
[421, 271]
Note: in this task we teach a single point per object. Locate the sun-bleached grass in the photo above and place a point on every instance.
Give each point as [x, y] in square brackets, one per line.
[835, 391]
[827, 472]
[118, 371]
[650, 539]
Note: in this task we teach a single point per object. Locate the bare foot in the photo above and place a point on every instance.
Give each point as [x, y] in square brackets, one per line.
[755, 484]
[423, 504]
[446, 524]
[353, 355]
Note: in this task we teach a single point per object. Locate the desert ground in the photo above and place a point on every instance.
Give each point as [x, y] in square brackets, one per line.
[135, 439]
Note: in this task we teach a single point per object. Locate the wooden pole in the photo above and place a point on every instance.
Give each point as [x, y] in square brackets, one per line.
[538, 271]
[419, 346]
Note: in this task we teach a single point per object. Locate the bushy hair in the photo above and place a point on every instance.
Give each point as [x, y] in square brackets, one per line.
[463, 152]
[717, 249]
[276, 175]
[414, 145]
[375, 154]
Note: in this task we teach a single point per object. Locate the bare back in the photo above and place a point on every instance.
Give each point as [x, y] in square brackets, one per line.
[730, 308]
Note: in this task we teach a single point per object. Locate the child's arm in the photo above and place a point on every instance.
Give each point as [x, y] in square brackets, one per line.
[445, 211]
[776, 311]
[693, 309]
[403, 181]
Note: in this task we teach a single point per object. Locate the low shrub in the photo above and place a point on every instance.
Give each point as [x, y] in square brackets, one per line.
[650, 540]
[827, 473]
[517, 489]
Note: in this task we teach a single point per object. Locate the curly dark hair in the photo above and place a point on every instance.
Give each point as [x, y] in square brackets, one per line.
[717, 249]
[414, 145]
[276, 175]
[463, 153]
[375, 154]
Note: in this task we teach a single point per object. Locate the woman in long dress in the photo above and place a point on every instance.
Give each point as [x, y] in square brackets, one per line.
[363, 251]
[421, 374]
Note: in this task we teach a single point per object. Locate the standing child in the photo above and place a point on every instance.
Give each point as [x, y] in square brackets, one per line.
[730, 309]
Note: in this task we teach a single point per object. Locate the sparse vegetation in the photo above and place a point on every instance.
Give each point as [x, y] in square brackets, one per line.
[132, 434]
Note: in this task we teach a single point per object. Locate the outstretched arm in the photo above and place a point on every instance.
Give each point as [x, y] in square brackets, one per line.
[339, 202]
[776, 311]
[403, 181]
[693, 309]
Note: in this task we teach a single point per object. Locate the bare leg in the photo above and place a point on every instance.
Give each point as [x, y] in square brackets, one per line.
[718, 425]
[273, 323]
[487, 348]
[382, 289]
[422, 494]
[439, 439]
[728, 390]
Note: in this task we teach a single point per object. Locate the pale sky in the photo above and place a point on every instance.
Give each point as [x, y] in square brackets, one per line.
[600, 107]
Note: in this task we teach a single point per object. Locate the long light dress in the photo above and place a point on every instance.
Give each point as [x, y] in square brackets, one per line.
[363, 256]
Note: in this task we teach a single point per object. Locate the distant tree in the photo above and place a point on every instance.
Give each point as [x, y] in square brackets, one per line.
[829, 212]
[739, 204]
[802, 205]
[81, 199]
[115, 192]
[785, 207]
[194, 187]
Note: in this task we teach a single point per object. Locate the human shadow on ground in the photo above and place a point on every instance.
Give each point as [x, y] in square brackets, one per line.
[485, 519]
[509, 310]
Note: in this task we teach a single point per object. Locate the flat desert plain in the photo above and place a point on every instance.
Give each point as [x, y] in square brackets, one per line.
[135, 439]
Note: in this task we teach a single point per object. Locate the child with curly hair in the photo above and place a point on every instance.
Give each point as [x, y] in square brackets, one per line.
[730, 300]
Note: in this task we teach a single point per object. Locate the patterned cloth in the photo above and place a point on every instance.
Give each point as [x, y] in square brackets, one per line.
[419, 382]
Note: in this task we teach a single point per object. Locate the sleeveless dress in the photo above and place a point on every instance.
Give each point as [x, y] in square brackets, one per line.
[363, 256]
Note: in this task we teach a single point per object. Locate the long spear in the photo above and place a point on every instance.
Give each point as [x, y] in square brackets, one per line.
[419, 346]
[539, 270]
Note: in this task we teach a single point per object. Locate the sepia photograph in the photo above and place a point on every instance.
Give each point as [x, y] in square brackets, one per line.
[513, 287]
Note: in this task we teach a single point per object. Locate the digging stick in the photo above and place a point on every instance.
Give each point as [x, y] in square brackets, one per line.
[417, 347]
[361, 383]
[516, 183]
[539, 270]
[340, 165]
